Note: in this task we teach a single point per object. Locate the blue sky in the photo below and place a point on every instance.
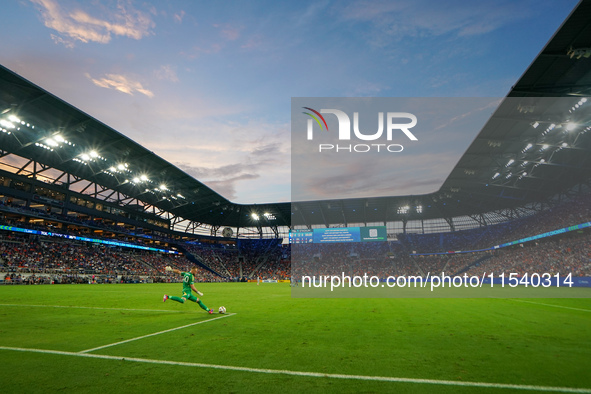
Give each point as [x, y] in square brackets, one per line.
[207, 85]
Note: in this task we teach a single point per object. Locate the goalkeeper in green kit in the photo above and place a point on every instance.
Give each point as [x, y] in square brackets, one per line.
[188, 285]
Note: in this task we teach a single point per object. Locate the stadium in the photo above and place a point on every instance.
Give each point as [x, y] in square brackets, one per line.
[325, 295]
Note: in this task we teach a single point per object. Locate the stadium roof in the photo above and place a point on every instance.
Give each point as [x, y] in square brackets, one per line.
[490, 175]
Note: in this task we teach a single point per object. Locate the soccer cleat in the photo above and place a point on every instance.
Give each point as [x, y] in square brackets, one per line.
[165, 298]
[210, 311]
[200, 293]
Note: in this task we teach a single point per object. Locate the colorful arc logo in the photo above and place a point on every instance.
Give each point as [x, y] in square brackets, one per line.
[315, 118]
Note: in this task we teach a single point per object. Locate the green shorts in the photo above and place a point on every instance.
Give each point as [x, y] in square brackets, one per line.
[189, 296]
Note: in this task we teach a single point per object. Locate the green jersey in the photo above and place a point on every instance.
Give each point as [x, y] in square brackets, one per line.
[188, 280]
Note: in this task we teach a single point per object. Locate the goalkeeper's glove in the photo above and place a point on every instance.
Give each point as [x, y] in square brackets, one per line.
[168, 268]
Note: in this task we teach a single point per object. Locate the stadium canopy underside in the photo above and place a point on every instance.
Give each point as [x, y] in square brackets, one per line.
[535, 150]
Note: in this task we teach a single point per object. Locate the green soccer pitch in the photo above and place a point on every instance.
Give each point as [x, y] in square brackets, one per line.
[122, 338]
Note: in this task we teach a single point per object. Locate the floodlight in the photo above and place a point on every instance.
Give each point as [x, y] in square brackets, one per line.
[51, 142]
[7, 124]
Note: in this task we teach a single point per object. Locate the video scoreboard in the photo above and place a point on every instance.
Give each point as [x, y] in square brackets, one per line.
[338, 234]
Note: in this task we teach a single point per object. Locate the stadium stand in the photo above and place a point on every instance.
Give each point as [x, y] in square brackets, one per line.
[482, 203]
[32, 259]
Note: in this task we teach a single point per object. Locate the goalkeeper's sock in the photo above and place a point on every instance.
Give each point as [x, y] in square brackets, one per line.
[177, 299]
[202, 305]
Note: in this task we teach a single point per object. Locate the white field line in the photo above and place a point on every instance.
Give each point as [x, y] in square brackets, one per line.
[156, 333]
[315, 374]
[555, 306]
[93, 307]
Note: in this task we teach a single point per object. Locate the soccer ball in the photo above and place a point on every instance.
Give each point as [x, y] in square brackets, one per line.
[222, 309]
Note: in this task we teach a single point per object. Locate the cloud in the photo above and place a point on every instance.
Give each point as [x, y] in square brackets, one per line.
[390, 21]
[196, 51]
[268, 149]
[368, 11]
[253, 42]
[365, 88]
[227, 187]
[166, 73]
[230, 33]
[255, 159]
[178, 18]
[59, 40]
[74, 24]
[223, 179]
[310, 15]
[489, 107]
[120, 83]
[410, 174]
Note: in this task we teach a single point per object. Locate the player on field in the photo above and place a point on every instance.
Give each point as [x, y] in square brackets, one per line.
[188, 285]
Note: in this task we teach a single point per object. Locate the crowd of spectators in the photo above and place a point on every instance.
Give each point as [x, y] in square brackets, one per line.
[572, 212]
[33, 259]
[249, 259]
[219, 258]
[564, 254]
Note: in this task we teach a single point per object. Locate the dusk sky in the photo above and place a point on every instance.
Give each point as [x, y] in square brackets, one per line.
[207, 85]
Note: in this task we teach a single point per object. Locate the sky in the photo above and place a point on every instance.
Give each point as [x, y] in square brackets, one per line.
[208, 85]
[414, 161]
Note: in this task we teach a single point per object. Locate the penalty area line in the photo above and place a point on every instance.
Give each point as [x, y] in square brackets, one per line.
[314, 374]
[153, 334]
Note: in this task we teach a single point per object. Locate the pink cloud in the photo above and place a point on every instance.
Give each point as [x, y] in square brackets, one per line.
[120, 83]
[78, 25]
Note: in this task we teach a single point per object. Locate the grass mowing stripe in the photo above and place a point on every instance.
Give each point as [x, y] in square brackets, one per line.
[555, 306]
[314, 374]
[94, 307]
[156, 333]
